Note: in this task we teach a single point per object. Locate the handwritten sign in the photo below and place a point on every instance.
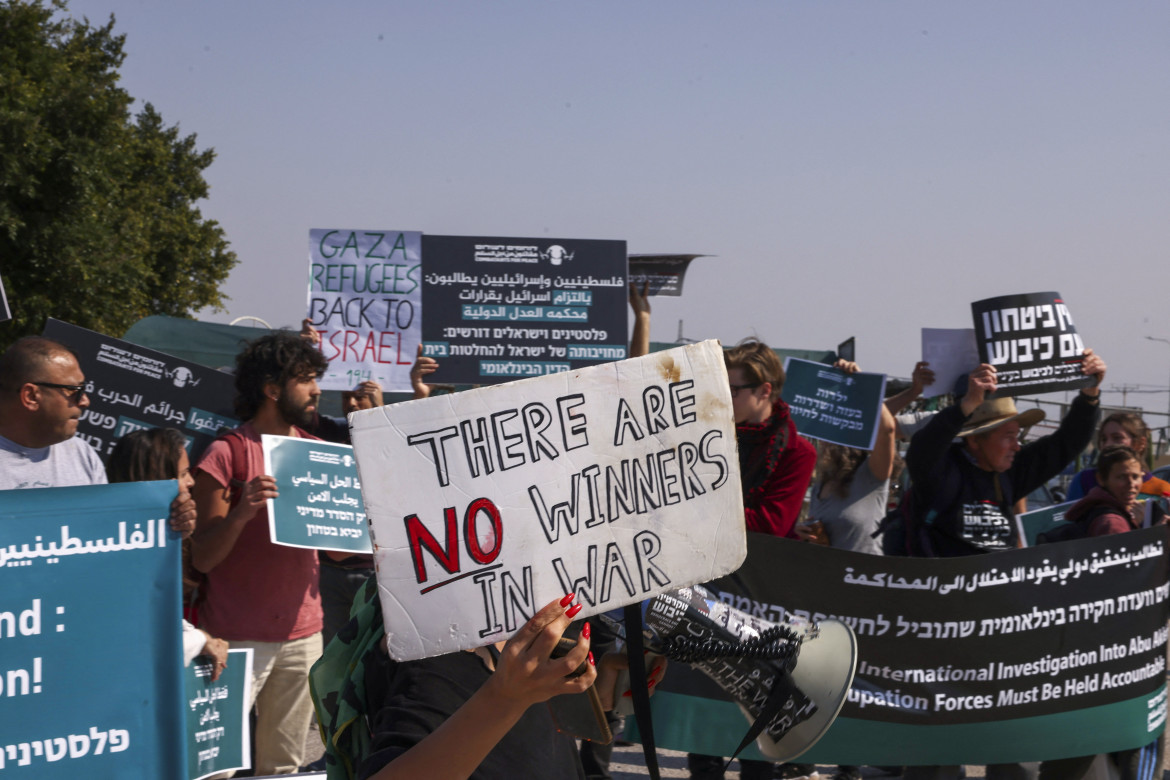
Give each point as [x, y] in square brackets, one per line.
[660, 274]
[1031, 341]
[365, 301]
[614, 482]
[831, 405]
[132, 387]
[320, 502]
[90, 675]
[1024, 655]
[218, 734]
[500, 309]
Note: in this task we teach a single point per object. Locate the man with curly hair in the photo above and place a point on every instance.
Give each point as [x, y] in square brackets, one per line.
[259, 594]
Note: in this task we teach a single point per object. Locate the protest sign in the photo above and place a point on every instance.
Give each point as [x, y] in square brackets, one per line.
[951, 352]
[1032, 524]
[132, 387]
[219, 738]
[365, 301]
[1031, 341]
[320, 503]
[847, 349]
[660, 274]
[91, 674]
[500, 309]
[1025, 655]
[832, 405]
[614, 483]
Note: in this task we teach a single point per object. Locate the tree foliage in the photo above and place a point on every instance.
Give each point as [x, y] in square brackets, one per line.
[98, 217]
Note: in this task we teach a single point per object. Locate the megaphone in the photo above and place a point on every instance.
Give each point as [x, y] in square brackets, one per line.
[802, 670]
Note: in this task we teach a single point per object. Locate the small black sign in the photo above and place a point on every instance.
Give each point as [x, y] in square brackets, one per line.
[499, 309]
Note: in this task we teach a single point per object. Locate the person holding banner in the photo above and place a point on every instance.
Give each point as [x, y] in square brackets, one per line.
[262, 595]
[42, 398]
[474, 714]
[1120, 429]
[776, 464]
[963, 494]
[1110, 508]
[155, 454]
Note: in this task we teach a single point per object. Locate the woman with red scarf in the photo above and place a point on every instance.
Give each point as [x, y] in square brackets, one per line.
[775, 466]
[775, 462]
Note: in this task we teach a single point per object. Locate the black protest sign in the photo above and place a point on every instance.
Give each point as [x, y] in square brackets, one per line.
[499, 309]
[660, 274]
[847, 349]
[1025, 655]
[1031, 341]
[132, 387]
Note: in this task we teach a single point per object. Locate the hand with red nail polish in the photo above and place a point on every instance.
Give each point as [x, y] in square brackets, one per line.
[585, 630]
[525, 674]
[572, 611]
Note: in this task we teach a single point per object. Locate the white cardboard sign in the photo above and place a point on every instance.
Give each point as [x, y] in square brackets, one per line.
[615, 482]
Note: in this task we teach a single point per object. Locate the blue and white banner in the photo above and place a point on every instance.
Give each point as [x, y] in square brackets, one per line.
[90, 651]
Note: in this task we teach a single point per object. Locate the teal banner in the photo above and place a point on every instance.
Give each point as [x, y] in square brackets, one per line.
[832, 405]
[1036, 522]
[1047, 652]
[91, 669]
[218, 736]
[320, 502]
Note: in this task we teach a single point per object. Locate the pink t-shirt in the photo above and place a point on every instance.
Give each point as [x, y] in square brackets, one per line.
[261, 592]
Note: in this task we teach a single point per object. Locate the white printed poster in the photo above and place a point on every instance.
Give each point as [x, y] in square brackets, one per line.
[951, 352]
[365, 300]
[614, 482]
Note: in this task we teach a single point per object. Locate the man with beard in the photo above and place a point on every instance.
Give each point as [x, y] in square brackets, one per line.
[259, 594]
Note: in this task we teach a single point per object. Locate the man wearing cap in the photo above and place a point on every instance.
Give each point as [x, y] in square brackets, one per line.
[963, 492]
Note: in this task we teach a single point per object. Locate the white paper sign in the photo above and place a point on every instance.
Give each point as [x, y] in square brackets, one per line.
[365, 299]
[951, 353]
[615, 482]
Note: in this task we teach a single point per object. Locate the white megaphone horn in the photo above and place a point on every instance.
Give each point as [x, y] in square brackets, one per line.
[809, 666]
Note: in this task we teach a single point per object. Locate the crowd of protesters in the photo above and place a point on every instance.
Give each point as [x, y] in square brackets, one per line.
[470, 714]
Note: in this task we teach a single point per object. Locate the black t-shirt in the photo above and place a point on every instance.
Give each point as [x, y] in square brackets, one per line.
[417, 696]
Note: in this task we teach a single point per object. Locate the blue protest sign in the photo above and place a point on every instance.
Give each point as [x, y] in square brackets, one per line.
[320, 503]
[90, 626]
[218, 735]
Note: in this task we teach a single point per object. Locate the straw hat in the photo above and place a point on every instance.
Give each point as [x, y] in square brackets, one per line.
[995, 412]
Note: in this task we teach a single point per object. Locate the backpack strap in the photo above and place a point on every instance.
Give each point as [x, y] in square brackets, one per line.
[238, 448]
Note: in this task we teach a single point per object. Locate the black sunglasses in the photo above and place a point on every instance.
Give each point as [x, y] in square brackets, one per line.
[73, 392]
[736, 388]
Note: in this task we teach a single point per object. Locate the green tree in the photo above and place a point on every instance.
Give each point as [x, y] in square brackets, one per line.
[98, 219]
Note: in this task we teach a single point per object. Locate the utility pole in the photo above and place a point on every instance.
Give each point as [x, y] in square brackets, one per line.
[1167, 343]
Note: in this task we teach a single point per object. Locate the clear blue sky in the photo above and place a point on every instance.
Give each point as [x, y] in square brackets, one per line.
[858, 168]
